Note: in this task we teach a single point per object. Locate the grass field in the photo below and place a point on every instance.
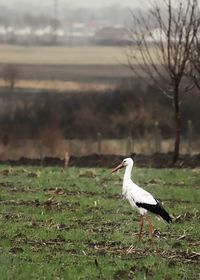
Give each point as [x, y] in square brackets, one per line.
[74, 224]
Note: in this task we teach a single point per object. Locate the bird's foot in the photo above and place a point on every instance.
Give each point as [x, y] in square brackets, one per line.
[151, 239]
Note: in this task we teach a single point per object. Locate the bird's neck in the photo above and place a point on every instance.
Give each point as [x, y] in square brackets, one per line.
[127, 174]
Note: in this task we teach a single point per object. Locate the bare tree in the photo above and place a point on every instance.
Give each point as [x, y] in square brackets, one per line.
[194, 69]
[162, 41]
[10, 73]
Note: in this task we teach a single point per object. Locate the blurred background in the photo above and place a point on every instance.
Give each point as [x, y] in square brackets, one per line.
[65, 85]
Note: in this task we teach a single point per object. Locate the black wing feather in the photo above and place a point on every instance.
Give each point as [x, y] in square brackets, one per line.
[156, 209]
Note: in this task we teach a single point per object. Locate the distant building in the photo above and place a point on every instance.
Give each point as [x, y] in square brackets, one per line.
[111, 35]
[72, 33]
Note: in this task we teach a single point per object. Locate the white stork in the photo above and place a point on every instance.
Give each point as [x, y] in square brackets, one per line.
[140, 199]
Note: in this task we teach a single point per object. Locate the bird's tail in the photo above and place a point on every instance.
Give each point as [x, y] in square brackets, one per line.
[163, 213]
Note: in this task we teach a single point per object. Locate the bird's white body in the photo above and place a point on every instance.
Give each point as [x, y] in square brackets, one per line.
[140, 199]
[133, 193]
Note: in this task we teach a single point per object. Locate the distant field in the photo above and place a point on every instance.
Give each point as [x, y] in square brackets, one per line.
[79, 64]
[77, 73]
[62, 55]
[59, 86]
[86, 64]
[73, 224]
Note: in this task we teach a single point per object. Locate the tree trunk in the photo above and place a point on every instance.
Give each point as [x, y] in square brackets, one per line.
[177, 125]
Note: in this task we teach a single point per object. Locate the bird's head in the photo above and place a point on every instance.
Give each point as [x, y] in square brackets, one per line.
[125, 162]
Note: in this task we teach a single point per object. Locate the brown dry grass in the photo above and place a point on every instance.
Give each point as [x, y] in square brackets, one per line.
[33, 149]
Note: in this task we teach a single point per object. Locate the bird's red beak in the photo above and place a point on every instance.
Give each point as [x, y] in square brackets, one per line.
[118, 167]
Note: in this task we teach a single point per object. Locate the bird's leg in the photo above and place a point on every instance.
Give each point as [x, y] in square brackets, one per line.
[150, 229]
[139, 234]
[141, 227]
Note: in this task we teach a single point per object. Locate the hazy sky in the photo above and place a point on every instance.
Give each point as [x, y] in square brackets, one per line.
[82, 3]
[86, 3]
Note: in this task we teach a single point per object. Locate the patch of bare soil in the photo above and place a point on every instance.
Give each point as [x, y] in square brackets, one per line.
[21, 238]
[187, 256]
[16, 250]
[59, 191]
[187, 216]
[115, 248]
[47, 205]
[6, 185]
[158, 160]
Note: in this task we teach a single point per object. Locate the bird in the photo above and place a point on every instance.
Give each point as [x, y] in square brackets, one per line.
[140, 199]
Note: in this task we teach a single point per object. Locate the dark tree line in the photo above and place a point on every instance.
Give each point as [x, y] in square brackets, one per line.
[132, 109]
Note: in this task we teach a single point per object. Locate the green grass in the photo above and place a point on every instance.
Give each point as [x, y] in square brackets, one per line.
[74, 224]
